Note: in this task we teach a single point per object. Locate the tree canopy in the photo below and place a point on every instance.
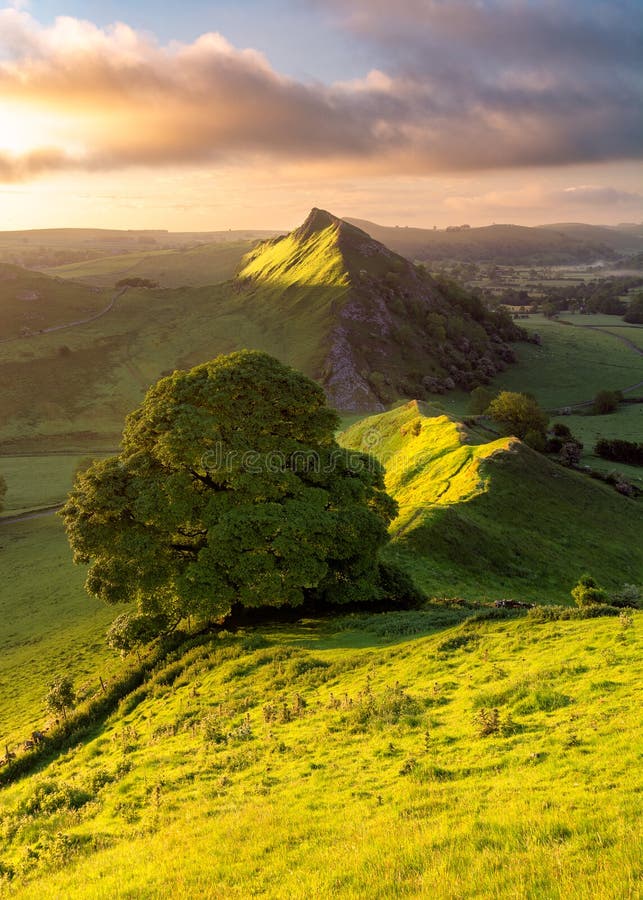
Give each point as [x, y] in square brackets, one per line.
[519, 415]
[230, 488]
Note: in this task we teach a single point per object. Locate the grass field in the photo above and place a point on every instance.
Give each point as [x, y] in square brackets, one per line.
[346, 759]
[84, 393]
[50, 626]
[30, 302]
[571, 365]
[37, 481]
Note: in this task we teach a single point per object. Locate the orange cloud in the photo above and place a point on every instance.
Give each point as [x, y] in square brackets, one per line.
[121, 99]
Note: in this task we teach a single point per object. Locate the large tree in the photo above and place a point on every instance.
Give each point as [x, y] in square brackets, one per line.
[230, 488]
[519, 415]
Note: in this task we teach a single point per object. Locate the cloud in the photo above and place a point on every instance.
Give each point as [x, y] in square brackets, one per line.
[462, 87]
[596, 195]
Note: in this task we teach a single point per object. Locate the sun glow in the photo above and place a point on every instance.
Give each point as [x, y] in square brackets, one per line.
[25, 129]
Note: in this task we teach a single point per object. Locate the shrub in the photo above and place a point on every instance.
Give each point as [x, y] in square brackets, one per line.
[61, 695]
[628, 596]
[587, 592]
[606, 402]
[616, 450]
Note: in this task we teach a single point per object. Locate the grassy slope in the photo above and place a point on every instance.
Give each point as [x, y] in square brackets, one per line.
[50, 626]
[496, 519]
[214, 780]
[80, 398]
[84, 396]
[36, 481]
[296, 282]
[571, 365]
[30, 300]
[207, 264]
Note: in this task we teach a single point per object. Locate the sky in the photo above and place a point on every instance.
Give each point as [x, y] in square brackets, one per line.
[222, 114]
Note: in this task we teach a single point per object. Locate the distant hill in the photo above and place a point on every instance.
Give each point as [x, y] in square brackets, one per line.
[327, 299]
[479, 515]
[504, 244]
[622, 239]
[49, 247]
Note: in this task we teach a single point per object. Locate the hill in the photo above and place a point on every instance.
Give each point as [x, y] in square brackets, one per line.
[354, 758]
[503, 244]
[31, 302]
[201, 265]
[46, 247]
[491, 517]
[623, 240]
[382, 328]
[326, 298]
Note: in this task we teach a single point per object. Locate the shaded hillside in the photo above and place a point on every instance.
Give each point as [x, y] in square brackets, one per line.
[623, 240]
[504, 244]
[494, 518]
[380, 327]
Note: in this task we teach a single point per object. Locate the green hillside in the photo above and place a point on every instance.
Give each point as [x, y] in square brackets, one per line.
[326, 299]
[493, 518]
[202, 265]
[31, 302]
[50, 625]
[504, 244]
[350, 759]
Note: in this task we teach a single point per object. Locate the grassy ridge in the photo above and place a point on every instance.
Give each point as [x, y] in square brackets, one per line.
[348, 761]
[494, 518]
[85, 392]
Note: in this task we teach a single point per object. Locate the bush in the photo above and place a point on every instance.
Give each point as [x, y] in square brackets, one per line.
[628, 596]
[519, 415]
[587, 592]
[628, 452]
[606, 402]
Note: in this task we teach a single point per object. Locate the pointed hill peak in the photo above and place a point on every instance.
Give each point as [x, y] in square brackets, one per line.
[319, 220]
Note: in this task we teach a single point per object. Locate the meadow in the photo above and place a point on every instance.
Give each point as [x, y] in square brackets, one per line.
[359, 757]
[51, 627]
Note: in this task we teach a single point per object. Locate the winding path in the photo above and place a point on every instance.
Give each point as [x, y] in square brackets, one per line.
[98, 315]
[35, 514]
